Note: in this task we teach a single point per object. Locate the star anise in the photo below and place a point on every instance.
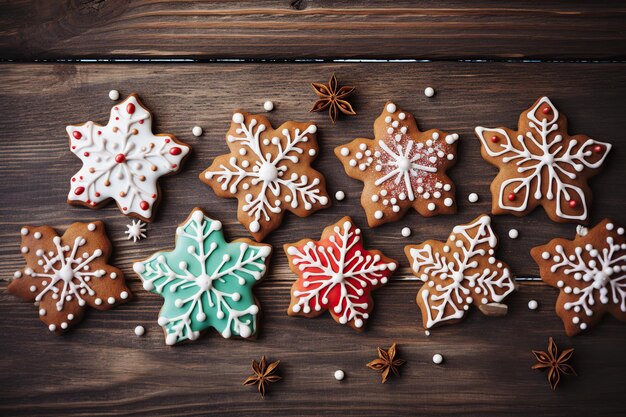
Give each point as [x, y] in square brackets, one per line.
[386, 362]
[263, 375]
[333, 98]
[555, 362]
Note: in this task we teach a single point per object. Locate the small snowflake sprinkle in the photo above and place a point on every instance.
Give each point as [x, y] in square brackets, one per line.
[136, 230]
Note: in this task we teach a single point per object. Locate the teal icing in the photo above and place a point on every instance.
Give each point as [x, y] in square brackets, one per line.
[205, 281]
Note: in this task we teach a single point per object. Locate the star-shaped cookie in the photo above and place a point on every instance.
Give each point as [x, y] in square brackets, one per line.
[269, 171]
[336, 273]
[123, 160]
[590, 273]
[401, 168]
[64, 275]
[458, 273]
[542, 165]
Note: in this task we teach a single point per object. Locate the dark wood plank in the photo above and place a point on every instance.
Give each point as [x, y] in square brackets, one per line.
[103, 368]
[287, 29]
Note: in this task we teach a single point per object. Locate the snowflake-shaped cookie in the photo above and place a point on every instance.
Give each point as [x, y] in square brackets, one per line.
[540, 164]
[401, 168]
[268, 171]
[590, 273]
[123, 160]
[64, 275]
[458, 273]
[337, 274]
[205, 281]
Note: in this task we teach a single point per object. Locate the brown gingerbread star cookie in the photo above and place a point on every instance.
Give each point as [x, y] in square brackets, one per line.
[401, 168]
[269, 171]
[542, 165]
[64, 275]
[458, 273]
[590, 273]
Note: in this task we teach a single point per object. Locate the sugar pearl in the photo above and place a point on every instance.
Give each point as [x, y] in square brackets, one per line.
[268, 106]
[406, 232]
[339, 375]
[473, 197]
[513, 233]
[139, 330]
[429, 91]
[114, 95]
[533, 304]
[437, 358]
[340, 195]
[196, 131]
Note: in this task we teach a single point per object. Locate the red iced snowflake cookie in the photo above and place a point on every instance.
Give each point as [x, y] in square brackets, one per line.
[336, 274]
[590, 273]
[541, 164]
[64, 275]
[123, 160]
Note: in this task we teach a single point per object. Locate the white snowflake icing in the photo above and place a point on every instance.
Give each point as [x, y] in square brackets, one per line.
[123, 160]
[206, 282]
[561, 159]
[338, 276]
[454, 279]
[273, 170]
[593, 274]
[136, 230]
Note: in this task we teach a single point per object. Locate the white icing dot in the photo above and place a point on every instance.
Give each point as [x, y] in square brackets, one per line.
[378, 214]
[196, 131]
[473, 197]
[98, 301]
[24, 231]
[391, 108]
[139, 330]
[431, 206]
[339, 375]
[33, 288]
[114, 95]
[64, 325]
[24, 249]
[545, 255]
[340, 195]
[123, 295]
[345, 151]
[533, 304]
[17, 274]
[91, 227]
[268, 106]
[52, 327]
[255, 226]
[448, 202]
[429, 91]
[238, 118]
[406, 231]
[37, 235]
[111, 300]
[437, 358]
[513, 234]
[42, 311]
[609, 226]
[70, 317]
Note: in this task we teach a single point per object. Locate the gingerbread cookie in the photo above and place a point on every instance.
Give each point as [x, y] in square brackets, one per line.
[123, 160]
[542, 165]
[336, 273]
[64, 275]
[401, 168]
[205, 281]
[269, 171]
[590, 273]
[458, 273]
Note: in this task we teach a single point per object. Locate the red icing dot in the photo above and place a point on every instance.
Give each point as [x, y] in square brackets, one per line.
[120, 157]
[93, 203]
[167, 140]
[144, 205]
[99, 132]
[124, 208]
[153, 195]
[572, 203]
[81, 177]
[97, 194]
[86, 154]
[73, 179]
[511, 197]
[494, 139]
[174, 165]
[141, 122]
[117, 118]
[545, 110]
[77, 134]
[79, 190]
[598, 149]
[130, 108]
[73, 147]
[175, 150]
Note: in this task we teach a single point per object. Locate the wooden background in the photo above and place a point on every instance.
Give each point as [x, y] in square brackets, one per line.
[102, 368]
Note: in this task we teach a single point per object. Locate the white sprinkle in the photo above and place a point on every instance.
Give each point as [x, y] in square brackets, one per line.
[268, 106]
[114, 95]
[345, 151]
[98, 301]
[111, 300]
[437, 358]
[429, 92]
[91, 227]
[391, 108]
[52, 327]
[378, 214]
[533, 304]
[339, 375]
[427, 332]
[340, 195]
[139, 330]
[473, 197]
[24, 231]
[196, 131]
[581, 230]
[406, 232]
[448, 202]
[42, 311]
[431, 206]
[24, 249]
[513, 234]
[17, 274]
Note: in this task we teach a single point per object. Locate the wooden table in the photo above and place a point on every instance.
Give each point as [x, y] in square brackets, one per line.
[488, 61]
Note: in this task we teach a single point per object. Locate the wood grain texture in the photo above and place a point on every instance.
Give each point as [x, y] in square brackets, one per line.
[288, 29]
[102, 368]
